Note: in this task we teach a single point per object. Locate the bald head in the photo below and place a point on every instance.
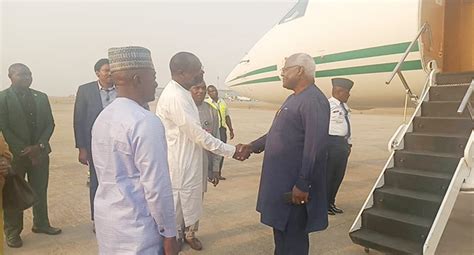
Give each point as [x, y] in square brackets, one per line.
[184, 62]
[20, 75]
[16, 68]
[186, 69]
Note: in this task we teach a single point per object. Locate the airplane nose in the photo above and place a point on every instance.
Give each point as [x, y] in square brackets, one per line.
[238, 71]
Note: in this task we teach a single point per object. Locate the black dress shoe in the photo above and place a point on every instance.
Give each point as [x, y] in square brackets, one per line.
[331, 212]
[336, 210]
[14, 242]
[47, 230]
[222, 178]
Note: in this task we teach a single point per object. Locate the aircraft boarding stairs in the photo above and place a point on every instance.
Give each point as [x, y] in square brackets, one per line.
[410, 204]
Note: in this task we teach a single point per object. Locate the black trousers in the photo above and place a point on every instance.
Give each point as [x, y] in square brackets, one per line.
[38, 177]
[94, 183]
[338, 153]
[294, 240]
[223, 134]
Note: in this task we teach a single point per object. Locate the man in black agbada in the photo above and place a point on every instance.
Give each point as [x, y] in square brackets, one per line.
[292, 195]
[27, 124]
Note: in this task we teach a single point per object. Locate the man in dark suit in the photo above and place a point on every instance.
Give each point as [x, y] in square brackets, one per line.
[292, 195]
[91, 99]
[27, 124]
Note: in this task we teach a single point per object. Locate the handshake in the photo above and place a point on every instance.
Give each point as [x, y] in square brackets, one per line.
[242, 151]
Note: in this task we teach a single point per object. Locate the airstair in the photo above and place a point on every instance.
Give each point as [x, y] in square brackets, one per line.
[410, 204]
[432, 159]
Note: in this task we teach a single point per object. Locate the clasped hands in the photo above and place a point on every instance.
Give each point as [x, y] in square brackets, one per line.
[33, 153]
[242, 151]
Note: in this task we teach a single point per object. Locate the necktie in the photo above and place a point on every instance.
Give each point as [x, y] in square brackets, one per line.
[346, 116]
[107, 91]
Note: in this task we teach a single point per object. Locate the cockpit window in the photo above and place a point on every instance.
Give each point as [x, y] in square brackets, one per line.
[297, 11]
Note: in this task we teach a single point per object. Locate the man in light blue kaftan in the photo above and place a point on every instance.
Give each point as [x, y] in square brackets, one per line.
[134, 209]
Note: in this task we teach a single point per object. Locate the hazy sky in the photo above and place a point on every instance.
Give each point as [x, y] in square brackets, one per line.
[61, 40]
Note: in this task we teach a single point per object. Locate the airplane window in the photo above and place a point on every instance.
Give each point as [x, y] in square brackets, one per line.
[297, 11]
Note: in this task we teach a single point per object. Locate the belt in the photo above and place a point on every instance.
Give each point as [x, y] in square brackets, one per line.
[338, 138]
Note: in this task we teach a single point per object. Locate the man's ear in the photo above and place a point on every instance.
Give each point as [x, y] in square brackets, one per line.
[136, 79]
[97, 73]
[300, 71]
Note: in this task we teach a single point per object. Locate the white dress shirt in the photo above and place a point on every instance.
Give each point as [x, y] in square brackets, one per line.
[338, 125]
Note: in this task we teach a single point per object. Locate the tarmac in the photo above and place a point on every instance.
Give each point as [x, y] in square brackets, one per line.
[230, 224]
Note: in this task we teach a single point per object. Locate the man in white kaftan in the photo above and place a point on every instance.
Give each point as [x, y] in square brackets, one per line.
[134, 209]
[186, 139]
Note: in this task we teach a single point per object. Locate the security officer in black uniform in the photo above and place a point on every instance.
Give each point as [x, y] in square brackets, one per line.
[339, 146]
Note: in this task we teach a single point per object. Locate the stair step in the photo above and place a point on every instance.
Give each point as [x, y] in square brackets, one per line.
[407, 201]
[385, 243]
[454, 78]
[427, 160]
[436, 142]
[442, 109]
[396, 224]
[452, 125]
[417, 180]
[448, 93]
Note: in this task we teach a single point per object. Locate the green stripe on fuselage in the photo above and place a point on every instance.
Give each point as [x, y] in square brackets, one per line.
[343, 56]
[377, 68]
[258, 71]
[365, 53]
[367, 69]
[269, 79]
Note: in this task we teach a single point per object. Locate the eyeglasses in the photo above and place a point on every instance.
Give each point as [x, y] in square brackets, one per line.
[284, 69]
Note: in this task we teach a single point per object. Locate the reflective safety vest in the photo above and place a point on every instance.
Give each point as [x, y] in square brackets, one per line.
[221, 108]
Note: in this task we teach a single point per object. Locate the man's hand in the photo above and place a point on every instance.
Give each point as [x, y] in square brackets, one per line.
[170, 245]
[83, 156]
[242, 152]
[214, 179]
[299, 197]
[31, 151]
[231, 132]
[4, 166]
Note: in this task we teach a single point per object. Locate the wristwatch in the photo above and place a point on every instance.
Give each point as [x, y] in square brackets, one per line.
[42, 147]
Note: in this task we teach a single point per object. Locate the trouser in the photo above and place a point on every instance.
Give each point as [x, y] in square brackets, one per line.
[2, 182]
[183, 230]
[294, 240]
[338, 153]
[223, 135]
[38, 179]
[94, 183]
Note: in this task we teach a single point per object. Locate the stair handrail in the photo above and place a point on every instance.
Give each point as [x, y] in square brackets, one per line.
[396, 140]
[468, 185]
[466, 98]
[398, 67]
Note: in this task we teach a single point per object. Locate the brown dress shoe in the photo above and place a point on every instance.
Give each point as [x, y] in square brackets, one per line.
[194, 243]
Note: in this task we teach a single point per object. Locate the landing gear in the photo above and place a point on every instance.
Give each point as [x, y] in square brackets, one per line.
[367, 250]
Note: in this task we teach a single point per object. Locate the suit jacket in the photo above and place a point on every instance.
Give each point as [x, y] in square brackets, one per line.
[87, 107]
[13, 122]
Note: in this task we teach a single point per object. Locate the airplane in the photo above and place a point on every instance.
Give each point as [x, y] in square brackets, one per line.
[361, 40]
[429, 44]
